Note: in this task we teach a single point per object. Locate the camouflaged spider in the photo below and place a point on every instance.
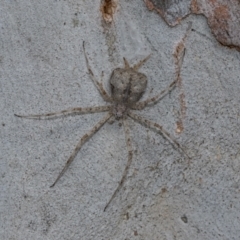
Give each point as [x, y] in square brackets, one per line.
[127, 87]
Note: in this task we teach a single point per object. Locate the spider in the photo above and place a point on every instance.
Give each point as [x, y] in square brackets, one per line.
[127, 87]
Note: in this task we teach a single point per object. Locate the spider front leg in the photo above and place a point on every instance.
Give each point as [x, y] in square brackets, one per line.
[80, 143]
[68, 112]
[152, 100]
[137, 65]
[178, 55]
[97, 84]
[160, 129]
[140, 63]
[159, 96]
[156, 98]
[130, 156]
[179, 52]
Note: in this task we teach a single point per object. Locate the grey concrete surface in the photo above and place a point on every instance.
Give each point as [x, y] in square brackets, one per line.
[42, 69]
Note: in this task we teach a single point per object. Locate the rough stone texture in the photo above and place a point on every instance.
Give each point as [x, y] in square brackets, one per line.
[223, 16]
[43, 69]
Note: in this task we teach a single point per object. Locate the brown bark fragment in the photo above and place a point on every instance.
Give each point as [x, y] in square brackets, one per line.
[223, 16]
[108, 8]
[149, 5]
[223, 19]
[172, 11]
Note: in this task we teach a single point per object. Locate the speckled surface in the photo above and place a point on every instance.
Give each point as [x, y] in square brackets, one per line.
[42, 69]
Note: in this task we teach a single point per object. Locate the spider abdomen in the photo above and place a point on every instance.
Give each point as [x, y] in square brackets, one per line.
[127, 85]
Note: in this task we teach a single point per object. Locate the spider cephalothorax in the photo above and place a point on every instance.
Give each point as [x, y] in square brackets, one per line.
[127, 87]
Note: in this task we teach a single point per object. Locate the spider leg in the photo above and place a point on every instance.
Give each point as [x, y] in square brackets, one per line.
[159, 129]
[98, 85]
[67, 112]
[140, 63]
[80, 143]
[127, 66]
[180, 51]
[156, 98]
[130, 156]
[178, 55]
